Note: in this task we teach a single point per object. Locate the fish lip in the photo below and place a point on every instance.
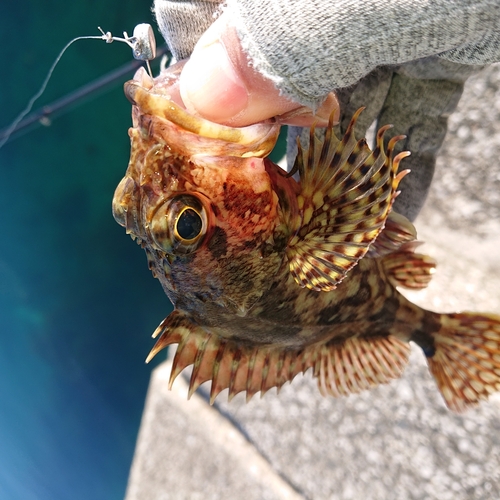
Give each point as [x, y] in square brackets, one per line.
[141, 80]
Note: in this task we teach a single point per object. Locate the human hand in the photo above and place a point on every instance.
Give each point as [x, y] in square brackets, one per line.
[219, 84]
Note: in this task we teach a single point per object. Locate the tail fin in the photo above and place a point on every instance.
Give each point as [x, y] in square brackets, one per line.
[466, 361]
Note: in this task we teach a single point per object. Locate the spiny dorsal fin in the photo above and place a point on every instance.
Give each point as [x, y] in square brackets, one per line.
[227, 363]
[342, 368]
[359, 364]
[346, 195]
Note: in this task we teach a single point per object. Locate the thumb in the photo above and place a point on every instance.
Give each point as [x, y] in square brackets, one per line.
[218, 83]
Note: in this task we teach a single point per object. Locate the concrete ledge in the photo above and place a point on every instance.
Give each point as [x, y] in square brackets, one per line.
[187, 449]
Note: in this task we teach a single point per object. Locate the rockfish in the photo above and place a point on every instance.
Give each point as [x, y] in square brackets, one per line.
[271, 276]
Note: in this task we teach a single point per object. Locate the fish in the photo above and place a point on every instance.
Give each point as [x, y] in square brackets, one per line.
[271, 275]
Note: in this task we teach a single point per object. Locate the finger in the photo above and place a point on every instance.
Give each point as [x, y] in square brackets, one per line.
[218, 83]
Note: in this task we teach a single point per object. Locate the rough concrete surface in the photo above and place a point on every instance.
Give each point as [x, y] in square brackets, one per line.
[203, 455]
[395, 442]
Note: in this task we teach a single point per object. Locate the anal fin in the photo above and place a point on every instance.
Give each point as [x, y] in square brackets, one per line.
[359, 364]
[466, 361]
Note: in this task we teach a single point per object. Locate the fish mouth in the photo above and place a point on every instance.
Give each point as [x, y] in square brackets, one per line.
[159, 98]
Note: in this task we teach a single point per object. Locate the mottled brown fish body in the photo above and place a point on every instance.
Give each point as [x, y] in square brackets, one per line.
[269, 276]
[291, 316]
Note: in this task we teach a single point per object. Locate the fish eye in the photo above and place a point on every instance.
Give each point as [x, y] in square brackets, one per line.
[180, 224]
[189, 224]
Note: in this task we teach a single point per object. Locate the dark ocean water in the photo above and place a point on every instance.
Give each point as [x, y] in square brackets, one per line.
[77, 302]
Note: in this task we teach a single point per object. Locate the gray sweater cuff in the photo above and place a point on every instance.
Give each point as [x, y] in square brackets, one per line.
[182, 22]
[308, 48]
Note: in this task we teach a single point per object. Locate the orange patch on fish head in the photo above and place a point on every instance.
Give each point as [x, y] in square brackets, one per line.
[223, 234]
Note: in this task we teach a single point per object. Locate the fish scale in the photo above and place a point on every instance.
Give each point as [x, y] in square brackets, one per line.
[270, 276]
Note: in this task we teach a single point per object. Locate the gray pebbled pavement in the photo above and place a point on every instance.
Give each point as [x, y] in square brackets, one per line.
[395, 442]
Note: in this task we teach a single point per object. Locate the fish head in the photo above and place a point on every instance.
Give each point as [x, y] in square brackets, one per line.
[202, 199]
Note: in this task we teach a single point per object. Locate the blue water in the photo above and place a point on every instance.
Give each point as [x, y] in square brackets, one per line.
[77, 302]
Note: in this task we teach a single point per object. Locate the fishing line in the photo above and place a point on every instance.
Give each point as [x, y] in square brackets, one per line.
[142, 43]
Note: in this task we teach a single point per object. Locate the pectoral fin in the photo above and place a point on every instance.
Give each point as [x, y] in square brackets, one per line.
[346, 195]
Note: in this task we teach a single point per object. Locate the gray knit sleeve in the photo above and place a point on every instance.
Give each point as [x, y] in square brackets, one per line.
[308, 48]
[182, 22]
[416, 98]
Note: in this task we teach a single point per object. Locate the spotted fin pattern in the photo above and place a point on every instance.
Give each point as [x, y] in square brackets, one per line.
[359, 364]
[346, 195]
[466, 362]
[409, 269]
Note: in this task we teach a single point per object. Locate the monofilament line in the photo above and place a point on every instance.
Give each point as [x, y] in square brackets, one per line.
[143, 46]
[32, 101]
